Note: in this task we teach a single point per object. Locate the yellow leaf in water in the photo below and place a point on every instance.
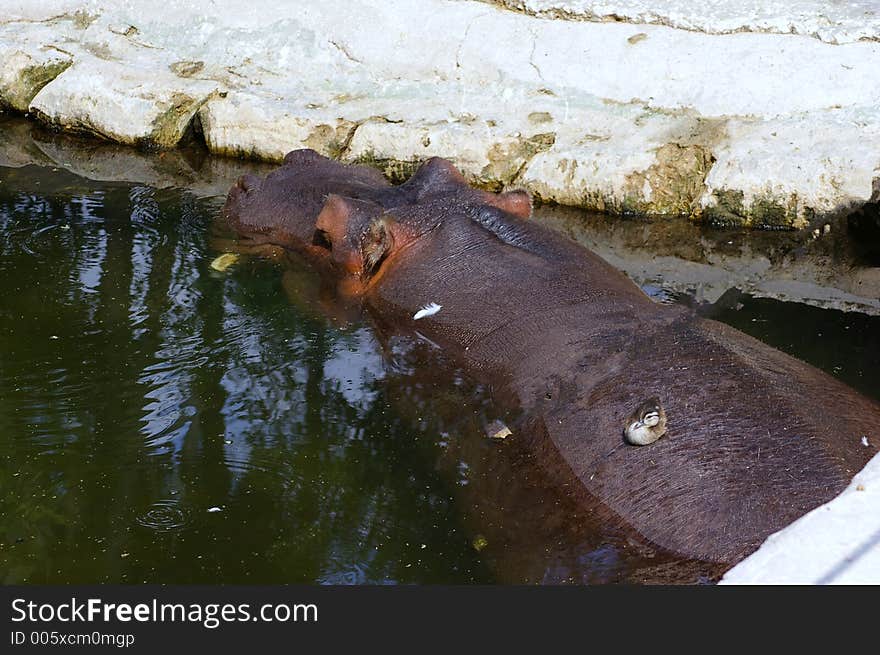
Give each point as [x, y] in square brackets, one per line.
[224, 261]
[497, 430]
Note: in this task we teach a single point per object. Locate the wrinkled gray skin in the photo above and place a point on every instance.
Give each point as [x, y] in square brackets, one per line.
[755, 438]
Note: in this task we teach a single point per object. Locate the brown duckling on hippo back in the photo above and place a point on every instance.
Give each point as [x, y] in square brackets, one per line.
[646, 423]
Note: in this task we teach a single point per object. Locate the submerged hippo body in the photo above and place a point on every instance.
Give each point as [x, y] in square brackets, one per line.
[754, 438]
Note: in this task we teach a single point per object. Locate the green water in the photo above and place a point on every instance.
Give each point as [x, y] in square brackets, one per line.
[140, 390]
[164, 422]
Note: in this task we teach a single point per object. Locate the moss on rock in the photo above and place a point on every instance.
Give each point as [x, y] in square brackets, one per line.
[30, 79]
[396, 170]
[765, 212]
[671, 186]
[506, 160]
[172, 123]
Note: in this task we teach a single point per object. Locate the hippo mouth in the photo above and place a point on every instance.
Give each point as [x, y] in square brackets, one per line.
[257, 212]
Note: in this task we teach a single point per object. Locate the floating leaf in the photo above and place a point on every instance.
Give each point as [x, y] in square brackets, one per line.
[497, 430]
[224, 261]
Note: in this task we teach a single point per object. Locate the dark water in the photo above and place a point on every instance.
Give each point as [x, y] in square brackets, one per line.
[164, 422]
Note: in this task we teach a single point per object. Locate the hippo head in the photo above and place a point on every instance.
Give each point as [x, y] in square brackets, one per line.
[363, 239]
[351, 215]
[281, 208]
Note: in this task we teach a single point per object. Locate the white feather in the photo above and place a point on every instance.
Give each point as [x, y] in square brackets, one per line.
[427, 310]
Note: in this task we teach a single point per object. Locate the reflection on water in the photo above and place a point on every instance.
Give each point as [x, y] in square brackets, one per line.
[163, 422]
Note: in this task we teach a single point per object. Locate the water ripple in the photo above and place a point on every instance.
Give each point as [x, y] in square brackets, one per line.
[165, 516]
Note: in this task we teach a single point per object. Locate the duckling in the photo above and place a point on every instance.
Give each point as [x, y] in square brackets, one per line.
[646, 424]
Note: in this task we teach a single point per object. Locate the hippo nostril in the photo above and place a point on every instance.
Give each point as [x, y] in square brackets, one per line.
[248, 182]
[322, 239]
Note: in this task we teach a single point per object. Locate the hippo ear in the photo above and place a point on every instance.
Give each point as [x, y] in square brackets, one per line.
[517, 203]
[433, 175]
[376, 244]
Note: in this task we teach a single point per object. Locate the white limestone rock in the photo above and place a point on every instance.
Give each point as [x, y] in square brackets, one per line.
[625, 158]
[28, 10]
[248, 125]
[832, 22]
[388, 124]
[783, 171]
[120, 103]
[29, 59]
[732, 117]
[489, 155]
[836, 543]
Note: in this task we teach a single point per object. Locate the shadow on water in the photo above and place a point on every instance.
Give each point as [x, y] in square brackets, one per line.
[164, 422]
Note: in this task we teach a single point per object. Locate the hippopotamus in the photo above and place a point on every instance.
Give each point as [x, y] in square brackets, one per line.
[700, 438]
[282, 209]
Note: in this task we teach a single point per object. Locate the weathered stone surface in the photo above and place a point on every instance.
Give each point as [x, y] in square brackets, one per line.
[28, 10]
[245, 125]
[490, 156]
[832, 22]
[742, 118]
[784, 171]
[113, 101]
[626, 158]
[24, 74]
[28, 61]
